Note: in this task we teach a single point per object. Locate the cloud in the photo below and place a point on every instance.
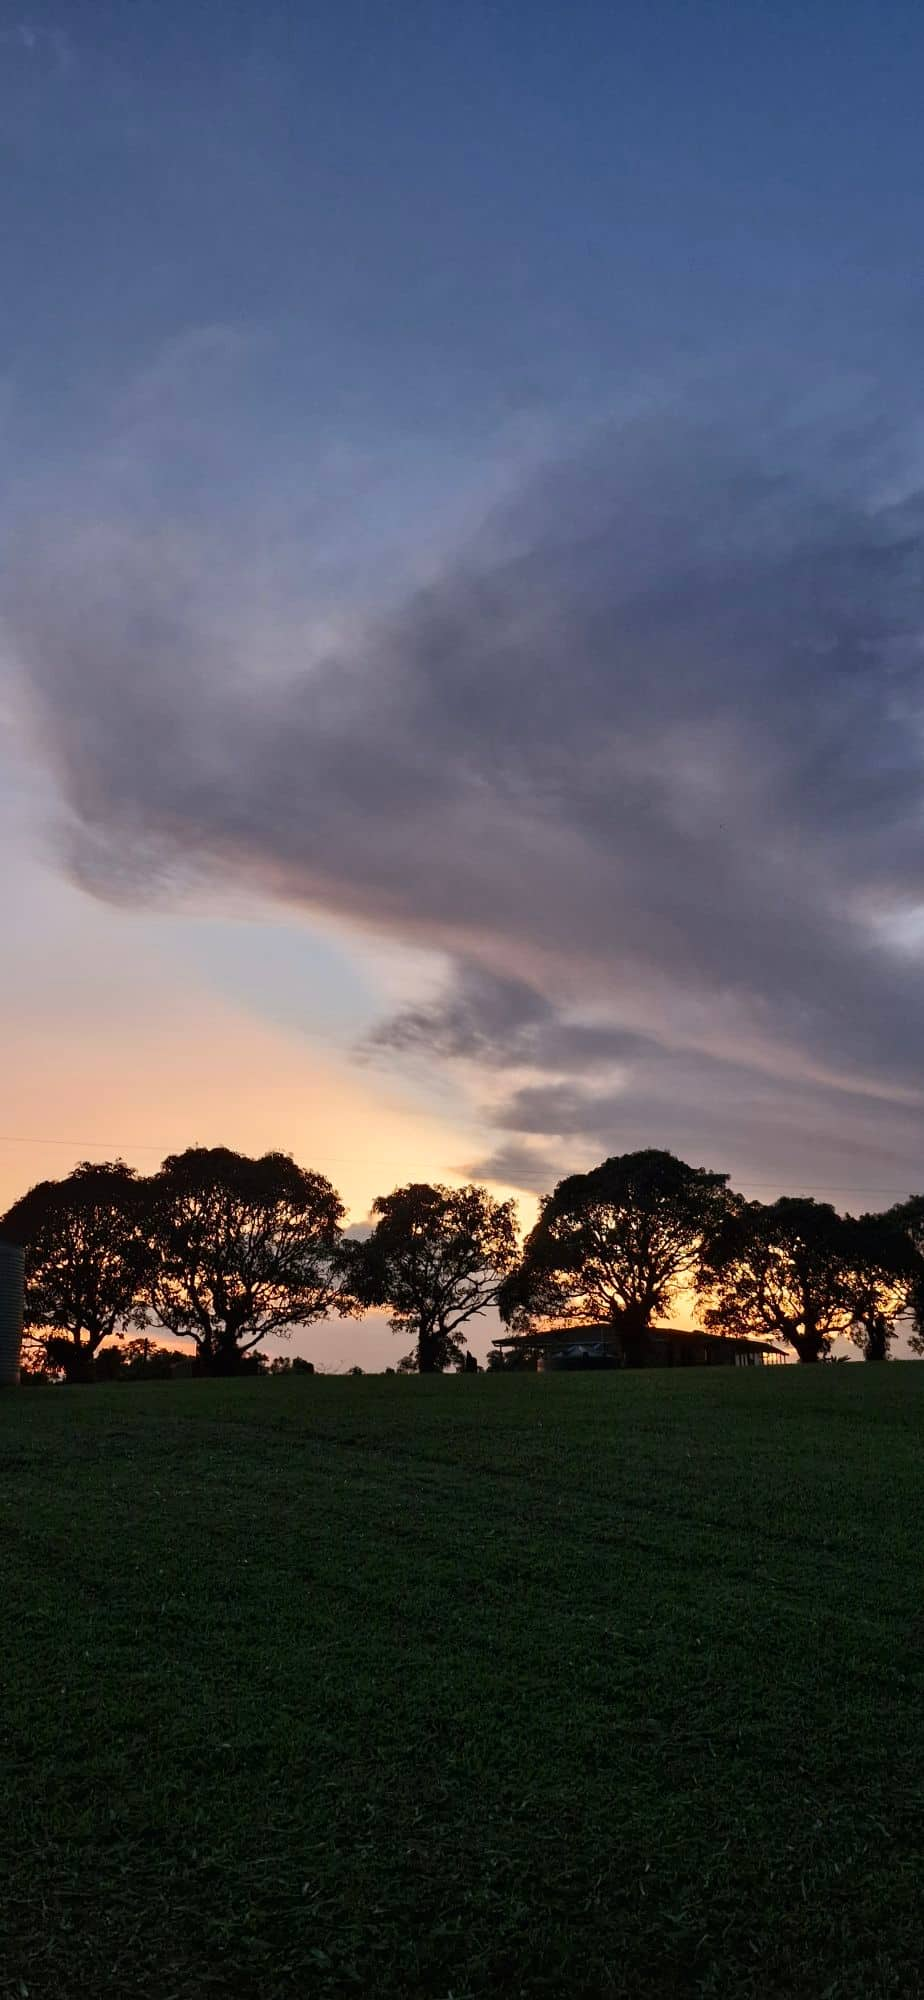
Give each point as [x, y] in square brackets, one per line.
[524, 1167]
[482, 1017]
[643, 762]
[778, 1133]
[38, 44]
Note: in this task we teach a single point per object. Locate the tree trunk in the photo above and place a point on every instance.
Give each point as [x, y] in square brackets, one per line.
[226, 1357]
[634, 1321]
[427, 1356]
[78, 1368]
[809, 1347]
[877, 1339]
[74, 1357]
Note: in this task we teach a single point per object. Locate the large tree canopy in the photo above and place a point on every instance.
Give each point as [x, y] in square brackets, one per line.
[616, 1243]
[436, 1258]
[244, 1248]
[884, 1267]
[784, 1270]
[87, 1260]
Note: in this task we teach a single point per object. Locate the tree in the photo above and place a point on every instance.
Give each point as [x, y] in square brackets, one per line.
[244, 1248]
[35, 1371]
[146, 1359]
[435, 1259]
[87, 1261]
[785, 1270]
[140, 1360]
[512, 1361]
[884, 1264]
[615, 1244]
[908, 1216]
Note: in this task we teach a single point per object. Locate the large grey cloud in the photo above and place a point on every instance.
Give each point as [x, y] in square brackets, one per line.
[645, 761]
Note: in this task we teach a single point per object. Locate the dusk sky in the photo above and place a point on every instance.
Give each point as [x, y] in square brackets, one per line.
[460, 609]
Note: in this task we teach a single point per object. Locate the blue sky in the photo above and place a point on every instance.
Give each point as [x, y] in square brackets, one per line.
[460, 592]
[438, 215]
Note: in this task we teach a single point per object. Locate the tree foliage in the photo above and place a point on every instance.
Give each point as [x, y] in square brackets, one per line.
[783, 1270]
[615, 1244]
[908, 1217]
[244, 1248]
[141, 1360]
[883, 1265]
[436, 1258]
[224, 1250]
[87, 1261]
[512, 1361]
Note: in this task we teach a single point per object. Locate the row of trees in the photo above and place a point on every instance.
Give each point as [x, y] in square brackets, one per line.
[618, 1244]
[224, 1250]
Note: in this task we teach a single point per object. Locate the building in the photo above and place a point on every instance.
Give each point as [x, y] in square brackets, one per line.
[574, 1347]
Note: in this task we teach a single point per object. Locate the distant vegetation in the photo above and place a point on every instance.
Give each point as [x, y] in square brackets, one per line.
[223, 1251]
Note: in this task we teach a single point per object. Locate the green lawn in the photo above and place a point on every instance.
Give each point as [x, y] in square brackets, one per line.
[520, 1686]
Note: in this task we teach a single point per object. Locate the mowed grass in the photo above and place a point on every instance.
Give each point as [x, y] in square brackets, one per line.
[521, 1686]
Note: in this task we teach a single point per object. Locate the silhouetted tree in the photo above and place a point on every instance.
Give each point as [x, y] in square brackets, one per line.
[34, 1364]
[86, 1261]
[108, 1365]
[782, 1269]
[615, 1244]
[908, 1216]
[149, 1361]
[140, 1360]
[35, 1370]
[884, 1264]
[512, 1361]
[244, 1247]
[436, 1258]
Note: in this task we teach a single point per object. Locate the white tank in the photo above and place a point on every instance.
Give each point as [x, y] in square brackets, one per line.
[11, 1281]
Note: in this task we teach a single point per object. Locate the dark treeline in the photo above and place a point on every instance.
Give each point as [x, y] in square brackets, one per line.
[222, 1250]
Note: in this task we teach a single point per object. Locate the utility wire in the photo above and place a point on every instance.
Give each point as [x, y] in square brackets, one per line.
[95, 1145]
[86, 1146]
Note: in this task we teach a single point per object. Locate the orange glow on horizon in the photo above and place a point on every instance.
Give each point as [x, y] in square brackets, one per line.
[220, 1077]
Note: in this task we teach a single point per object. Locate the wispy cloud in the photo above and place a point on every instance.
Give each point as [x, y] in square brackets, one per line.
[43, 47]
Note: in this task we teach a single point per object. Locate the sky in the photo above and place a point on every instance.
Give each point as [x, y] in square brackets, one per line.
[461, 505]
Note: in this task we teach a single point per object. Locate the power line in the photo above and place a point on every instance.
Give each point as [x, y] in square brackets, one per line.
[93, 1145]
[118, 1146]
[166, 1146]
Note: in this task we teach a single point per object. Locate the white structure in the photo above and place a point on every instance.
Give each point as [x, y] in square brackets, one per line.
[11, 1287]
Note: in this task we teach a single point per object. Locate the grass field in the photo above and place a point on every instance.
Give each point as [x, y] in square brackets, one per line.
[579, 1686]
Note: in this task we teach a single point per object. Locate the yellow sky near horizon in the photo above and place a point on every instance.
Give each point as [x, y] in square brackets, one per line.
[219, 1078]
[135, 1033]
